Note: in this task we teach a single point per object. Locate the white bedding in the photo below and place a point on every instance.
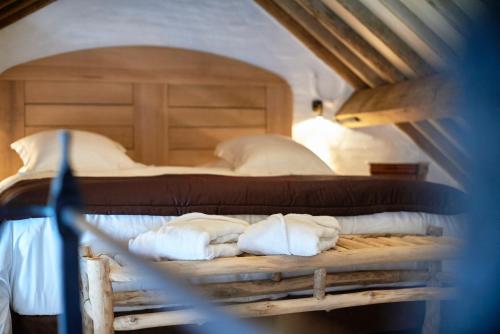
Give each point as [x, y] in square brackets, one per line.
[29, 270]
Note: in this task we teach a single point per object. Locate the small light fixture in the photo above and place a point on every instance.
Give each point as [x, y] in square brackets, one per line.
[317, 107]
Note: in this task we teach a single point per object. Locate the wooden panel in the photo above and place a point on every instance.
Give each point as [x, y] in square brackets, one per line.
[121, 134]
[216, 117]
[149, 104]
[78, 92]
[190, 157]
[78, 115]
[279, 121]
[216, 96]
[6, 91]
[206, 138]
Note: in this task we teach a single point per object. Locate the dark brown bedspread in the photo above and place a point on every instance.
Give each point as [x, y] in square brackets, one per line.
[215, 194]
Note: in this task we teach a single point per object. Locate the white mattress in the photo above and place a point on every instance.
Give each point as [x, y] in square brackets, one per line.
[29, 270]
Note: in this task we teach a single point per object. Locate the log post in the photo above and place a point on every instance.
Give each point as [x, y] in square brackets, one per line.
[100, 295]
[88, 327]
[432, 320]
[319, 283]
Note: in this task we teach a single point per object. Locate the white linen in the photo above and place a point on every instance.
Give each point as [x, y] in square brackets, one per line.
[266, 155]
[89, 151]
[292, 234]
[29, 250]
[194, 236]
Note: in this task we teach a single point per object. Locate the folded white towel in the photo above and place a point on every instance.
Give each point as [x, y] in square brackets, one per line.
[293, 234]
[194, 236]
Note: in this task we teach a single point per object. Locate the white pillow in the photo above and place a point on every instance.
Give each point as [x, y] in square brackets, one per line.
[266, 155]
[41, 152]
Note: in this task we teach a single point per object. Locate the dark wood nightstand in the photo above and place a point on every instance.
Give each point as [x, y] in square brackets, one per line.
[411, 171]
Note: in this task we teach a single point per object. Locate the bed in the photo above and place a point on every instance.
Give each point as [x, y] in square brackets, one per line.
[175, 109]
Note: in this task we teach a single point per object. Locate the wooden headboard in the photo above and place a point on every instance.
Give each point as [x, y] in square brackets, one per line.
[166, 106]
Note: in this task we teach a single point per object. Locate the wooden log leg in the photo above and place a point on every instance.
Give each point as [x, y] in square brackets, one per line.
[88, 327]
[432, 320]
[100, 295]
[319, 283]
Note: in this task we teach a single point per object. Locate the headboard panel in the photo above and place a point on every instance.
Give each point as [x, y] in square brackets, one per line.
[166, 106]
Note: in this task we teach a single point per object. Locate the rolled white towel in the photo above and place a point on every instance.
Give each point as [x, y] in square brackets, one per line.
[194, 236]
[293, 234]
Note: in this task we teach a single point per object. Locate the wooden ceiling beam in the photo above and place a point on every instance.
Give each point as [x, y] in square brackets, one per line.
[414, 23]
[312, 43]
[351, 39]
[454, 155]
[435, 152]
[383, 33]
[329, 41]
[407, 101]
[12, 11]
[453, 14]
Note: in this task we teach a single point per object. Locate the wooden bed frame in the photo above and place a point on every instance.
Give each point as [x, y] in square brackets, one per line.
[99, 299]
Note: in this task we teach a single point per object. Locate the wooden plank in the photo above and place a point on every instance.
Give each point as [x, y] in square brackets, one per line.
[16, 10]
[149, 102]
[271, 308]
[206, 138]
[216, 96]
[279, 121]
[453, 14]
[120, 134]
[330, 42]
[433, 151]
[329, 259]
[190, 157]
[351, 39]
[78, 115]
[381, 36]
[241, 289]
[433, 134]
[411, 100]
[71, 92]
[421, 29]
[312, 43]
[6, 125]
[438, 24]
[216, 117]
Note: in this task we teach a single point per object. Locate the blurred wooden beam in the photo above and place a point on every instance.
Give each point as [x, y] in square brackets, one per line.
[407, 101]
[330, 42]
[376, 32]
[310, 42]
[14, 10]
[434, 151]
[352, 40]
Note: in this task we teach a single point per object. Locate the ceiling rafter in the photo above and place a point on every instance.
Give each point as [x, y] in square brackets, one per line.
[14, 10]
[352, 40]
[361, 35]
[309, 41]
[330, 41]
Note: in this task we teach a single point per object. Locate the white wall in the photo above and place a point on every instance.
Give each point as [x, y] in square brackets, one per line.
[233, 28]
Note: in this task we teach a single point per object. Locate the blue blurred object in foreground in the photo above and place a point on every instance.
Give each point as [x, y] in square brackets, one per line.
[477, 309]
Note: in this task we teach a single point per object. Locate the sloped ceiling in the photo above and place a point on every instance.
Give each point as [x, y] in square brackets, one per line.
[376, 45]
[14, 10]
